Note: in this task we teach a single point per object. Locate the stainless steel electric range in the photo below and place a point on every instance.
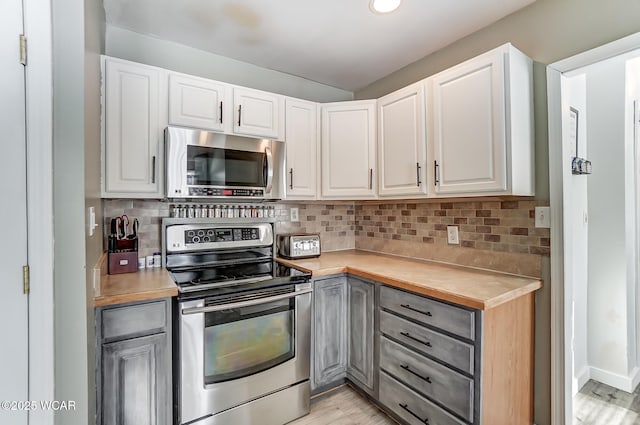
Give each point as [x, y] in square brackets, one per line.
[242, 324]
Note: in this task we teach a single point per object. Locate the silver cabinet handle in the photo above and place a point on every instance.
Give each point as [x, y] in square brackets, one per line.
[242, 304]
[436, 173]
[239, 114]
[418, 182]
[291, 182]
[153, 169]
[370, 178]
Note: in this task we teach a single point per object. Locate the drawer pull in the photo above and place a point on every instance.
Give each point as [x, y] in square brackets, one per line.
[406, 335]
[408, 307]
[404, 406]
[426, 379]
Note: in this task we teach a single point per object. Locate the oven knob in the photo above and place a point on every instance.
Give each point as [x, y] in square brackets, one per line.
[195, 239]
[200, 233]
[206, 239]
[209, 232]
[191, 233]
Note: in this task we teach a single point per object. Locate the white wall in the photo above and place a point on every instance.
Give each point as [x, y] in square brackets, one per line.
[135, 47]
[611, 314]
[576, 228]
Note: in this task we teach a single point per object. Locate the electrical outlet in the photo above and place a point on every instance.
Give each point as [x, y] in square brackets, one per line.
[543, 218]
[294, 214]
[452, 235]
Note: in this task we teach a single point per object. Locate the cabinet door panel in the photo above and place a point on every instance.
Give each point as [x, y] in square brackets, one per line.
[469, 127]
[361, 328]
[258, 113]
[402, 142]
[301, 139]
[196, 102]
[348, 149]
[330, 330]
[136, 390]
[133, 156]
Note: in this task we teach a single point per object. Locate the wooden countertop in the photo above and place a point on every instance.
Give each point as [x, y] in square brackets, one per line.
[146, 284]
[470, 287]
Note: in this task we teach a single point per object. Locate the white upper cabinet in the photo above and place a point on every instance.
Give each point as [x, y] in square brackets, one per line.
[199, 103]
[402, 143]
[258, 113]
[302, 148]
[349, 150]
[482, 122]
[134, 118]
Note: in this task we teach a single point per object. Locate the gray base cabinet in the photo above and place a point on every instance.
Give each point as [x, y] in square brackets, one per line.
[329, 331]
[360, 368]
[134, 364]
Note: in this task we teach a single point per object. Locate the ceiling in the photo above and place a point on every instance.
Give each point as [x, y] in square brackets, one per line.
[336, 42]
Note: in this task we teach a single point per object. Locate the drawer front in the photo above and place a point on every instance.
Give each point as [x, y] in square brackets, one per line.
[451, 351]
[410, 406]
[449, 388]
[452, 319]
[134, 320]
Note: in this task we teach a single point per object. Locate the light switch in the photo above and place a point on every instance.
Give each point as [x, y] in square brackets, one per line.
[92, 221]
[543, 218]
[294, 215]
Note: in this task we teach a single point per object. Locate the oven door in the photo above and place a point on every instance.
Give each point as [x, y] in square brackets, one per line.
[237, 350]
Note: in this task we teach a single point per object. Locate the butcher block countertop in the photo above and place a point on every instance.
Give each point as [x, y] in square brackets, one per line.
[466, 286]
[146, 284]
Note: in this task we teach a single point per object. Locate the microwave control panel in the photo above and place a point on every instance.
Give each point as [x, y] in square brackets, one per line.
[214, 191]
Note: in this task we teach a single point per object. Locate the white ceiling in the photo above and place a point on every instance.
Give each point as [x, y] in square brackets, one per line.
[336, 42]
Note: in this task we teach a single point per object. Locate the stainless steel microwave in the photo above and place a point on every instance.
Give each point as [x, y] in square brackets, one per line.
[203, 164]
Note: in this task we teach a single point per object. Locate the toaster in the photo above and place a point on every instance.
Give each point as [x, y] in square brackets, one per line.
[299, 245]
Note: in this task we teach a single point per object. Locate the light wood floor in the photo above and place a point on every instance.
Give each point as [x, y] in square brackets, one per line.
[343, 406]
[600, 404]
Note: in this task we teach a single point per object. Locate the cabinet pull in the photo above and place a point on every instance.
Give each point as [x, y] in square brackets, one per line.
[408, 307]
[239, 114]
[153, 169]
[406, 335]
[220, 112]
[291, 181]
[418, 182]
[408, 369]
[436, 173]
[370, 178]
[404, 406]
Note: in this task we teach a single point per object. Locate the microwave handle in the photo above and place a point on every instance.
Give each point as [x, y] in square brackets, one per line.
[269, 164]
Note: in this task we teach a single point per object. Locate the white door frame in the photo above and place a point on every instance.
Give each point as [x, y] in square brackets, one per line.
[561, 330]
[37, 27]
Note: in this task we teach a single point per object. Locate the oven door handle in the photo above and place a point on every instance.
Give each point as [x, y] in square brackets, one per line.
[212, 308]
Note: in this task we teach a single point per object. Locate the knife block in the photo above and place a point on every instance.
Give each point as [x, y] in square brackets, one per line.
[122, 255]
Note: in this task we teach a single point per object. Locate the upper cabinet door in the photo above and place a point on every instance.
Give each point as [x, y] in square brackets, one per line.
[198, 102]
[349, 149]
[258, 113]
[135, 114]
[302, 148]
[483, 126]
[402, 143]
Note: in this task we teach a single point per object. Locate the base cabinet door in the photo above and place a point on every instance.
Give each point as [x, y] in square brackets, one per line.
[361, 328]
[136, 388]
[329, 331]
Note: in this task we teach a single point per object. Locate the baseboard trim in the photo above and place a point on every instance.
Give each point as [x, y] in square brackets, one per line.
[621, 382]
[583, 377]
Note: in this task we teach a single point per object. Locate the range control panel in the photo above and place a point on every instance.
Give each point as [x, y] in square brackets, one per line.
[206, 235]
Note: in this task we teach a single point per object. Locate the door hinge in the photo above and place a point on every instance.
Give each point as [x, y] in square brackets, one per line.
[23, 49]
[25, 279]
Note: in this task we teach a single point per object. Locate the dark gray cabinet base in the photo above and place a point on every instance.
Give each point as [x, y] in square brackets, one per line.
[134, 364]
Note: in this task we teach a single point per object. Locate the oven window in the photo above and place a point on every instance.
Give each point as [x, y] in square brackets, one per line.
[244, 341]
[224, 167]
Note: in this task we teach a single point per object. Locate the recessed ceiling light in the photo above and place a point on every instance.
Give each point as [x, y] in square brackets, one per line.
[384, 6]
